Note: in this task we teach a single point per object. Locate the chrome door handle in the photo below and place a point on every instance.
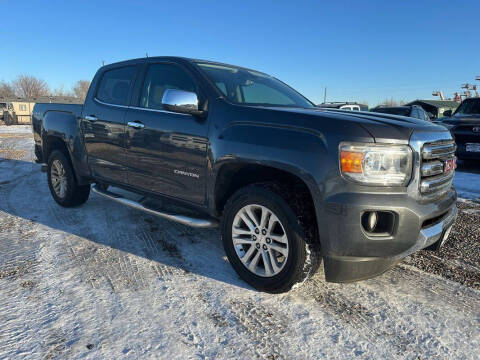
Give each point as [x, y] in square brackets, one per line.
[135, 124]
[91, 118]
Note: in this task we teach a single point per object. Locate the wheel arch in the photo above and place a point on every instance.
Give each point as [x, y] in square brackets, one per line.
[299, 191]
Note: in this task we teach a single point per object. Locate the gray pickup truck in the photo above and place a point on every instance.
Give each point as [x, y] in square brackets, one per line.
[288, 183]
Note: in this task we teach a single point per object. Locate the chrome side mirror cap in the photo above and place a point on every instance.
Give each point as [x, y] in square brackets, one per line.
[181, 101]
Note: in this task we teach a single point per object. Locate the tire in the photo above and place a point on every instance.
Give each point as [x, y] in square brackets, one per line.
[297, 259]
[62, 182]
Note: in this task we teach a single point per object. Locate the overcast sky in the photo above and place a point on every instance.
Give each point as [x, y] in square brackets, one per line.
[361, 51]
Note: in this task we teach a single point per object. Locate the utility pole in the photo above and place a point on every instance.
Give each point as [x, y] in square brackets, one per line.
[325, 95]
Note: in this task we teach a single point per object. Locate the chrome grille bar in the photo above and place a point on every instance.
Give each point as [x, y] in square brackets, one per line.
[434, 179]
[435, 151]
[432, 168]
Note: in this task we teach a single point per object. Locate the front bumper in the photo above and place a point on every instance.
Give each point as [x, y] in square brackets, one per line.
[351, 255]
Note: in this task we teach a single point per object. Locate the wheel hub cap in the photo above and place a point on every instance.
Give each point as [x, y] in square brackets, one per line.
[58, 178]
[260, 240]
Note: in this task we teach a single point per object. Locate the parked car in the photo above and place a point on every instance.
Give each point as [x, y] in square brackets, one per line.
[464, 124]
[413, 111]
[353, 106]
[289, 184]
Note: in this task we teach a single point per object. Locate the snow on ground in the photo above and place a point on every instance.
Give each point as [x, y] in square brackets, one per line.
[467, 181]
[106, 281]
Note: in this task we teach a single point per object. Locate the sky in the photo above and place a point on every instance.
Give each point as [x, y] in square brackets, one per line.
[365, 51]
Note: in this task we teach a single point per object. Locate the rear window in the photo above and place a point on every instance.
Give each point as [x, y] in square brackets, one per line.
[115, 85]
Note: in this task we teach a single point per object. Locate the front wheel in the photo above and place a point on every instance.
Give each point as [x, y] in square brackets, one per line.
[62, 183]
[265, 242]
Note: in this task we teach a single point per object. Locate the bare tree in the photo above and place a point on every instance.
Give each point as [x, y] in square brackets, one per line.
[28, 86]
[60, 91]
[80, 89]
[6, 89]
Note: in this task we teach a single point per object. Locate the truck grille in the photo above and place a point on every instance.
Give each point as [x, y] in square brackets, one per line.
[435, 177]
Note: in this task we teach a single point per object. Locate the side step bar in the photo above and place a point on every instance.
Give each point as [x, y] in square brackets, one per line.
[185, 220]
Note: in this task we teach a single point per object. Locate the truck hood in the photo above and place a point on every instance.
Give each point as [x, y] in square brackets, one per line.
[384, 128]
[461, 120]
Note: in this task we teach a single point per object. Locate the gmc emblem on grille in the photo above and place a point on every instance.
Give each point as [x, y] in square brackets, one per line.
[476, 129]
[450, 165]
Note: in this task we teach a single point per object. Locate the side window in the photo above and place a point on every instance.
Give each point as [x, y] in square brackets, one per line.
[115, 84]
[161, 77]
[414, 113]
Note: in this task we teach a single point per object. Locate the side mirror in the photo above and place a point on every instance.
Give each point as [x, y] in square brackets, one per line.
[181, 101]
[447, 113]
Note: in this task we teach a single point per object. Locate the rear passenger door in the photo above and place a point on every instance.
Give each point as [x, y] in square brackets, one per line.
[166, 151]
[103, 123]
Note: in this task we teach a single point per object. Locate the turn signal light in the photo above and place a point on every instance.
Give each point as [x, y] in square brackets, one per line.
[351, 162]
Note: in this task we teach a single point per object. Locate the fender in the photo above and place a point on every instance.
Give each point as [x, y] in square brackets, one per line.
[64, 125]
[287, 148]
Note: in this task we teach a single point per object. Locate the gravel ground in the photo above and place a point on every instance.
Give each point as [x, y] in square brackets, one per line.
[103, 281]
[459, 258]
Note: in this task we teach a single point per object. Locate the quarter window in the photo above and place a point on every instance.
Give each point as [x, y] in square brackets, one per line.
[115, 85]
[161, 77]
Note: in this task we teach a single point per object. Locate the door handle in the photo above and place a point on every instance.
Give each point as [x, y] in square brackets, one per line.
[136, 124]
[91, 118]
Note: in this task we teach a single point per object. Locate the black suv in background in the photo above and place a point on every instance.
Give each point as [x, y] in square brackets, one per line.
[464, 125]
[413, 111]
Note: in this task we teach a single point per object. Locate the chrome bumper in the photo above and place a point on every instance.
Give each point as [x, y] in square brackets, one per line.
[432, 234]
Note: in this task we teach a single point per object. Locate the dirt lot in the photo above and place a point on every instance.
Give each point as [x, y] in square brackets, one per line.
[105, 281]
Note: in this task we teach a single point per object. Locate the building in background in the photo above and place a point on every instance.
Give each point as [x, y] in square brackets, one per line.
[19, 110]
[436, 107]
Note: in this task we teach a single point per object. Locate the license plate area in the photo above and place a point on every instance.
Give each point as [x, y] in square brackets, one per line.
[472, 147]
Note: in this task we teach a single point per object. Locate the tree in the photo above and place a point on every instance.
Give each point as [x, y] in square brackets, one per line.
[60, 91]
[6, 89]
[80, 89]
[28, 86]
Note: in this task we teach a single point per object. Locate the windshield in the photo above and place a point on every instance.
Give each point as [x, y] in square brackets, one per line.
[469, 107]
[248, 87]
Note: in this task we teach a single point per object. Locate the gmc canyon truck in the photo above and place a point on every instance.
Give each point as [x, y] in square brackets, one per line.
[288, 183]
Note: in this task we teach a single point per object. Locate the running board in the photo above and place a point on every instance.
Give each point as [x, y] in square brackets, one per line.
[185, 220]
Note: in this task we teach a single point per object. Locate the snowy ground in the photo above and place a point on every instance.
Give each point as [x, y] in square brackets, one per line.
[106, 281]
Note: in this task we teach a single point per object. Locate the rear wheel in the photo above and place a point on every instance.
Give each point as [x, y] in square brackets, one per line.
[62, 183]
[265, 242]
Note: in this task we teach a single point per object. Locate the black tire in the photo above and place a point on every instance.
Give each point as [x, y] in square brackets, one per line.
[7, 118]
[75, 194]
[303, 259]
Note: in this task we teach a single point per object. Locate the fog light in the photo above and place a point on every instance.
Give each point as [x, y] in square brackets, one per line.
[372, 221]
[378, 223]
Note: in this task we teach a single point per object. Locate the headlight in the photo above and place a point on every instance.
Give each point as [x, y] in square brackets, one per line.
[375, 164]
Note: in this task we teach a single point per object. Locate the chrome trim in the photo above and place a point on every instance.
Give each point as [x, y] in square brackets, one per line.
[140, 108]
[436, 182]
[90, 118]
[435, 151]
[417, 141]
[184, 101]
[432, 168]
[185, 220]
[158, 110]
[432, 234]
[104, 103]
[136, 125]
